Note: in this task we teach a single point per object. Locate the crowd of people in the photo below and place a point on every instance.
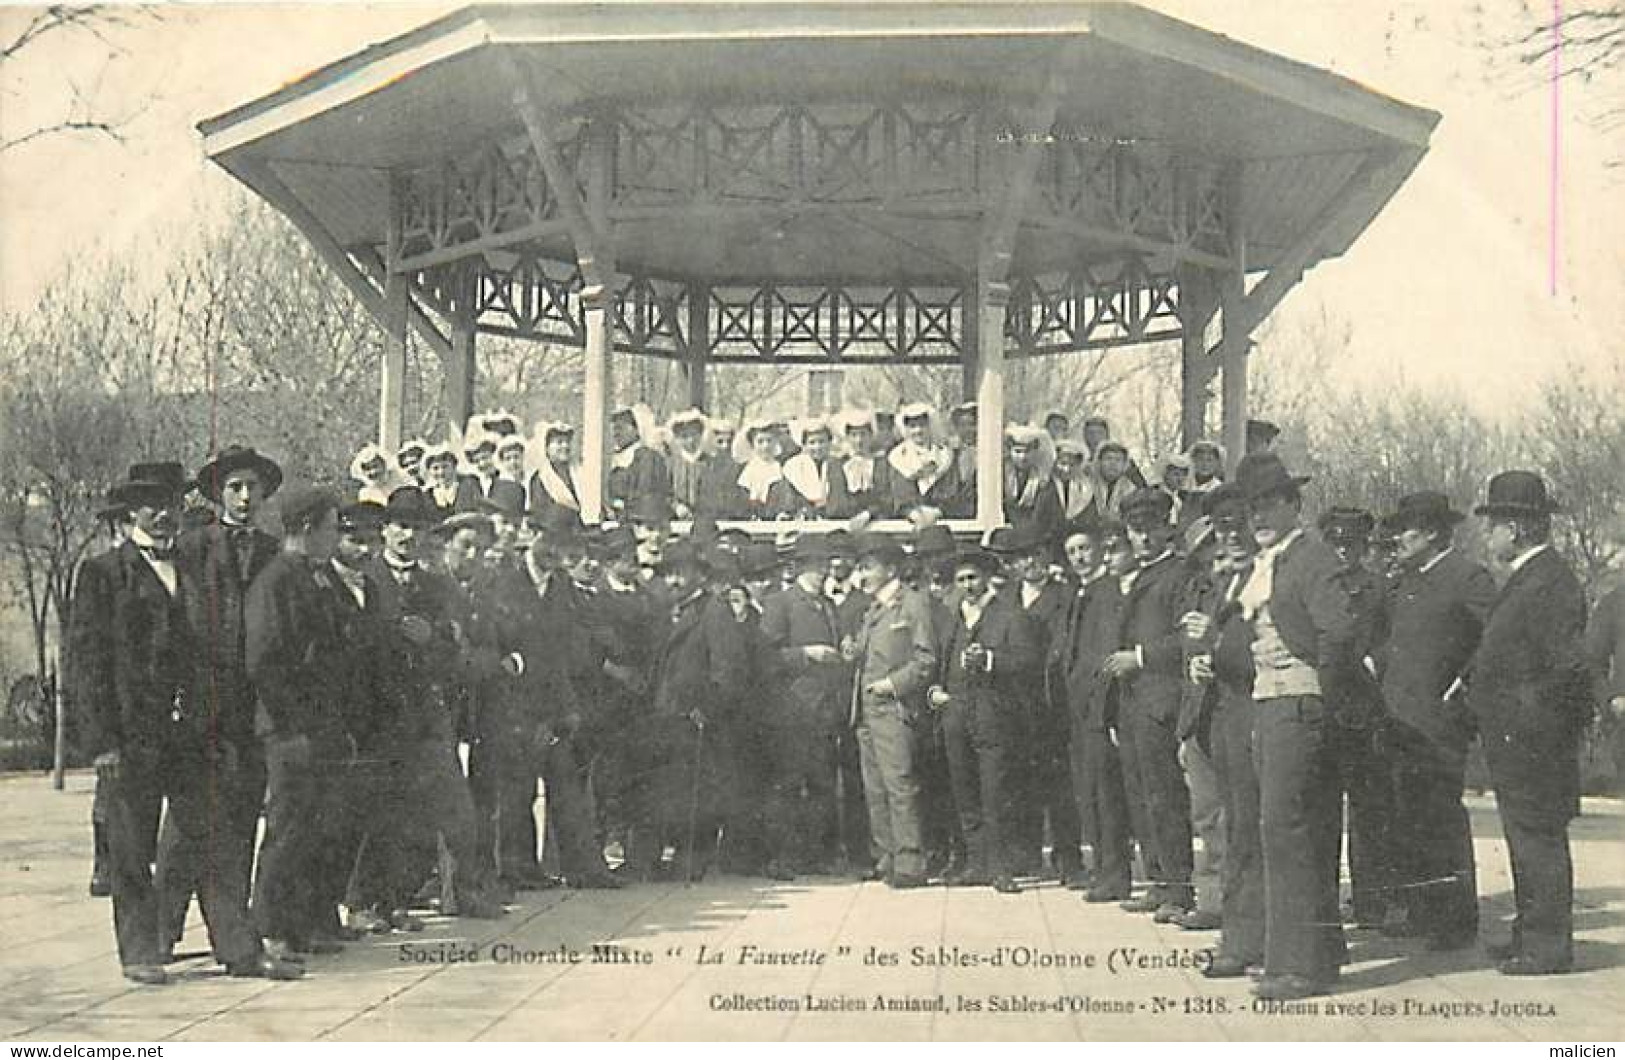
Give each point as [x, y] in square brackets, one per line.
[1080, 694]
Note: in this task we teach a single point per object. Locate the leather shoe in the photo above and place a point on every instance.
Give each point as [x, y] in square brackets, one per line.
[1006, 885]
[1523, 964]
[1102, 895]
[100, 886]
[481, 909]
[967, 878]
[1200, 920]
[1143, 904]
[1288, 988]
[265, 966]
[283, 950]
[778, 870]
[146, 974]
[1225, 968]
[1077, 880]
[1168, 913]
[906, 881]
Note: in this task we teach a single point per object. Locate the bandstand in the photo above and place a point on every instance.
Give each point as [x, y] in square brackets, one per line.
[822, 184]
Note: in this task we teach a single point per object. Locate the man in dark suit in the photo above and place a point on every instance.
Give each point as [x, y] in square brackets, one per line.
[1435, 611]
[895, 655]
[1223, 660]
[1304, 653]
[1530, 692]
[224, 558]
[1149, 668]
[699, 677]
[987, 680]
[364, 798]
[1100, 556]
[89, 636]
[300, 669]
[154, 740]
[1044, 788]
[1363, 776]
[802, 712]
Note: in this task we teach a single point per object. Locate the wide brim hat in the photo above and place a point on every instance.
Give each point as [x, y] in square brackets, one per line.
[690, 417]
[212, 475]
[1516, 493]
[414, 445]
[1262, 431]
[1261, 474]
[371, 453]
[965, 410]
[1425, 508]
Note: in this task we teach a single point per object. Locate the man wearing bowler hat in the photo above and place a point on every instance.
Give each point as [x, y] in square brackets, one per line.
[155, 740]
[224, 558]
[1435, 615]
[1303, 654]
[1529, 690]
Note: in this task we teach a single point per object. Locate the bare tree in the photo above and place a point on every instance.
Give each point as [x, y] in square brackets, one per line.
[1575, 436]
[85, 108]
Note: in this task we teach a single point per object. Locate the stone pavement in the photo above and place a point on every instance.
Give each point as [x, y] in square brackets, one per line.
[792, 964]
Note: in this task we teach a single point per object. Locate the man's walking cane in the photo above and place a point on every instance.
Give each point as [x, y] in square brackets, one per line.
[694, 801]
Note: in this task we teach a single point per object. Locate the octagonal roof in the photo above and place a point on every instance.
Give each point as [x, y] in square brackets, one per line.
[337, 137]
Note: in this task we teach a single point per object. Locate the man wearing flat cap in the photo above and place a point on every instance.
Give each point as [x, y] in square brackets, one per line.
[225, 557]
[1359, 718]
[1436, 609]
[1149, 669]
[1530, 691]
[1303, 650]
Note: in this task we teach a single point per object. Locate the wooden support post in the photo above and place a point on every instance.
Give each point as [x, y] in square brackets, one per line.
[992, 299]
[459, 362]
[1237, 327]
[699, 343]
[1196, 305]
[970, 344]
[392, 369]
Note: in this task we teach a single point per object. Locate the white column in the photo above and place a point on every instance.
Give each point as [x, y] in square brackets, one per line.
[597, 390]
[991, 302]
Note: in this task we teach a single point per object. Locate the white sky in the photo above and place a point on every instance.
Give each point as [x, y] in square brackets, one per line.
[1447, 289]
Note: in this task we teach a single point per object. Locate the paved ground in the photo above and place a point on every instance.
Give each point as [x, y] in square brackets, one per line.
[1067, 970]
